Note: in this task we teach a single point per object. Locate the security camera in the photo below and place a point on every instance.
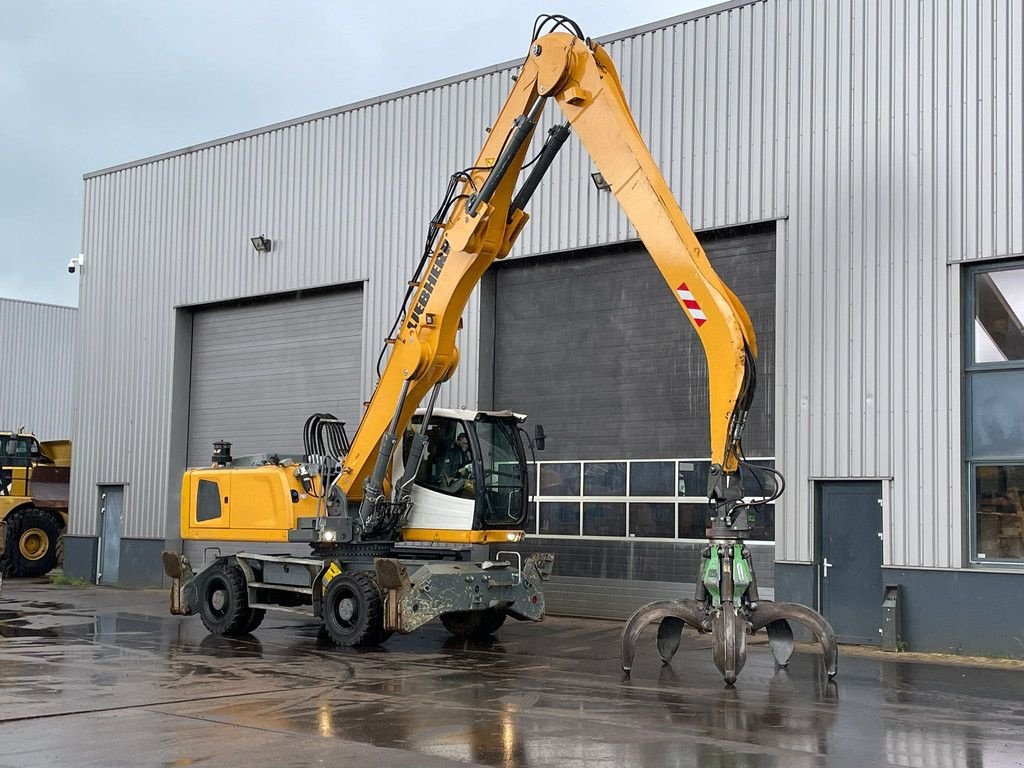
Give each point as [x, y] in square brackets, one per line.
[76, 263]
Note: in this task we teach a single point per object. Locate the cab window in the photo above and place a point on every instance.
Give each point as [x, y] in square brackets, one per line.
[447, 463]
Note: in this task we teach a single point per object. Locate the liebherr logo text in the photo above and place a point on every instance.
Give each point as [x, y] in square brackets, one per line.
[428, 287]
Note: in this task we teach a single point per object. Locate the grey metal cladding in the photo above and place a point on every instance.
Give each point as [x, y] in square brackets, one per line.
[595, 347]
[38, 366]
[886, 137]
[260, 368]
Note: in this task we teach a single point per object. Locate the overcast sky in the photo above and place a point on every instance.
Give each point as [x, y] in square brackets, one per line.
[88, 85]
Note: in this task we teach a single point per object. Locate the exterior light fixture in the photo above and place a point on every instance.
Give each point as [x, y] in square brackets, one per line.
[261, 243]
[600, 183]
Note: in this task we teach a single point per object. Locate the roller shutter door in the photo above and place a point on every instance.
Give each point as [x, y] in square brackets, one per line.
[595, 347]
[259, 369]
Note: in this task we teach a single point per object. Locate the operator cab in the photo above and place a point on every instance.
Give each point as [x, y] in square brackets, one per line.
[472, 475]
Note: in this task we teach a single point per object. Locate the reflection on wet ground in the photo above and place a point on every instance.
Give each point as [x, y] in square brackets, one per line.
[94, 677]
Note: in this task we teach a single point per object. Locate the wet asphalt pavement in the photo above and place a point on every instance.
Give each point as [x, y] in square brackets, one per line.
[104, 677]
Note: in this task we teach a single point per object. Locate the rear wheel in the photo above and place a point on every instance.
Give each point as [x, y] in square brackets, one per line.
[473, 623]
[32, 542]
[353, 610]
[224, 600]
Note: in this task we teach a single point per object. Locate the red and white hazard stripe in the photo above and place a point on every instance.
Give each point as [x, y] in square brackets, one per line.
[699, 318]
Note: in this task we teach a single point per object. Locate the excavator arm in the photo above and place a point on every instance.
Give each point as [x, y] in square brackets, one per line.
[482, 225]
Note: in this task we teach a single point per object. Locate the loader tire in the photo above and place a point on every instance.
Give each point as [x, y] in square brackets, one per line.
[32, 542]
[224, 600]
[353, 611]
[473, 623]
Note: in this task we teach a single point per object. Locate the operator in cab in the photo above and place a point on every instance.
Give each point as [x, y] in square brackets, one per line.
[458, 463]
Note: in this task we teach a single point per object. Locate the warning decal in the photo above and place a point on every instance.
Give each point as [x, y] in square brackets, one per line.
[699, 318]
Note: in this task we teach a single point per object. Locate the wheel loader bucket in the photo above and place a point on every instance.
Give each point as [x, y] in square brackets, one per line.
[50, 486]
[57, 450]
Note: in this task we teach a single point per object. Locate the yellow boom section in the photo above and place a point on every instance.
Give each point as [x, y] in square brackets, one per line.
[581, 78]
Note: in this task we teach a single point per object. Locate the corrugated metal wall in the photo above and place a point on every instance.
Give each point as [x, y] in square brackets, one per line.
[905, 157]
[36, 368]
[886, 135]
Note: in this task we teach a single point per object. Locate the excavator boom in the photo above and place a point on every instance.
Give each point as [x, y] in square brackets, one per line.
[484, 222]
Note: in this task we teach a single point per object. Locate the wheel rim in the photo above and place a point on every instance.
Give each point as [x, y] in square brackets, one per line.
[218, 599]
[346, 609]
[34, 544]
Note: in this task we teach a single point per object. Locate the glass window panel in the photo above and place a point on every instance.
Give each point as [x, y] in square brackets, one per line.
[531, 480]
[999, 316]
[531, 517]
[604, 518]
[653, 519]
[652, 478]
[761, 520]
[559, 479]
[693, 478]
[761, 483]
[693, 521]
[560, 517]
[439, 470]
[997, 414]
[999, 505]
[604, 479]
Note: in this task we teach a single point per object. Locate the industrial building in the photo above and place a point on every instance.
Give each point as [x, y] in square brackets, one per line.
[856, 174]
[38, 366]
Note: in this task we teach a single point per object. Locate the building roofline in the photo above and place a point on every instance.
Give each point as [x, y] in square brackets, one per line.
[38, 303]
[375, 100]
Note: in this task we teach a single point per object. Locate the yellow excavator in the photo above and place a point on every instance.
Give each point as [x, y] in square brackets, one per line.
[387, 516]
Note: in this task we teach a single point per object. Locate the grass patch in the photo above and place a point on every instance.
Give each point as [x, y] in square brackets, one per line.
[58, 579]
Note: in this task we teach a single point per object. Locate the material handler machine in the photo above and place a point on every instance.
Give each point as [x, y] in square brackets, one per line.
[384, 526]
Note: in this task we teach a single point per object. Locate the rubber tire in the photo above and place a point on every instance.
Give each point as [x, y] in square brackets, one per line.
[21, 522]
[256, 616]
[234, 616]
[366, 627]
[474, 623]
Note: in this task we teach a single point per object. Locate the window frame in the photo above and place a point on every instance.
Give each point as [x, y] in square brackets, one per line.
[690, 496]
[969, 369]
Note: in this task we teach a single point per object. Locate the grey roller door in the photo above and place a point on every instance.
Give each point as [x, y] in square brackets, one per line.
[595, 347]
[259, 369]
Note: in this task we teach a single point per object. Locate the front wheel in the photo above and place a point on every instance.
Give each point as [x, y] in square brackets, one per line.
[353, 610]
[473, 623]
[32, 542]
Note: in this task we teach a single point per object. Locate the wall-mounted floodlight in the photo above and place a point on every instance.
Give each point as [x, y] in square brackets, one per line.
[261, 243]
[600, 183]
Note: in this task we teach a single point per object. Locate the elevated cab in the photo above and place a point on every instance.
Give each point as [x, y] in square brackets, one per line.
[477, 487]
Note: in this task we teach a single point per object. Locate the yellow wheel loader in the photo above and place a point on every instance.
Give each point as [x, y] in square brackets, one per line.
[34, 479]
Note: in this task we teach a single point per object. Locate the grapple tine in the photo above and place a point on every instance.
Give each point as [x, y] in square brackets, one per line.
[780, 640]
[670, 634]
[728, 630]
[766, 613]
[651, 612]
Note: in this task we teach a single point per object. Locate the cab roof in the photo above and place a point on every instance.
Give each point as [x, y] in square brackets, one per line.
[466, 415]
